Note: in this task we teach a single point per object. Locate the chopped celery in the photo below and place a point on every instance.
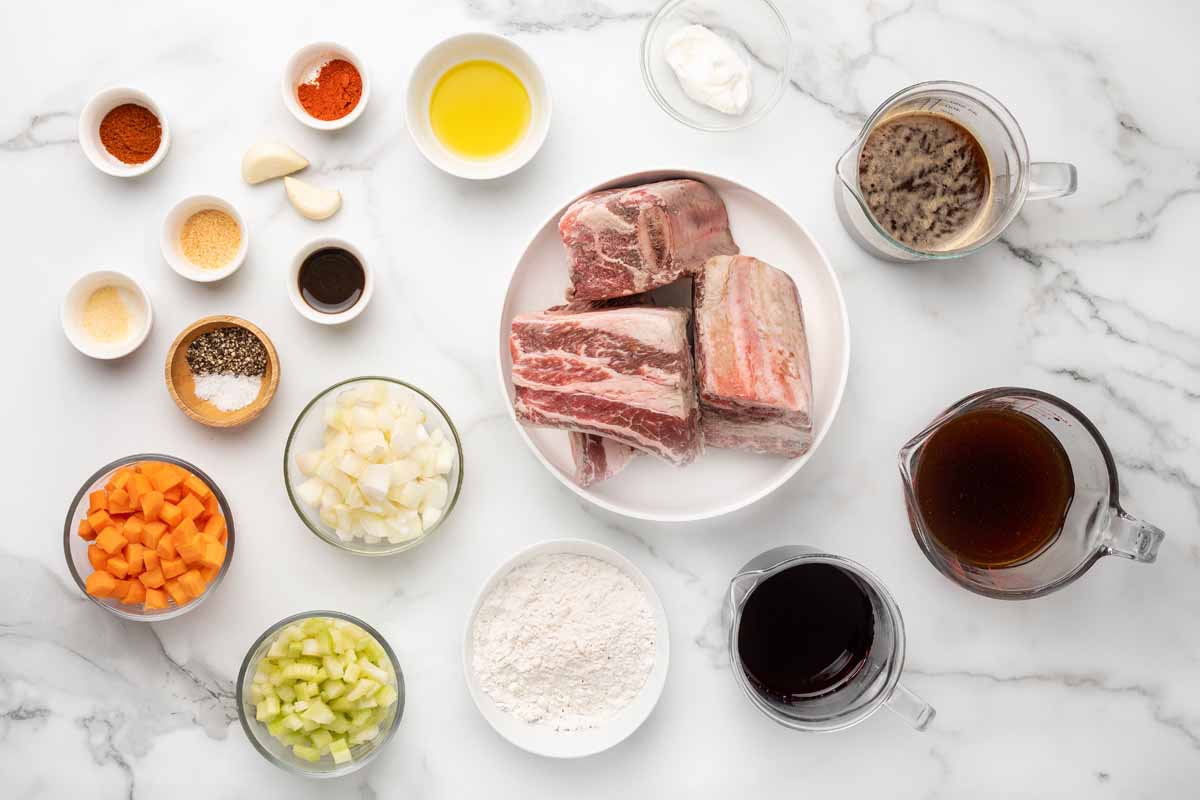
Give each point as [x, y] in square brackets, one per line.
[293, 723]
[276, 729]
[321, 739]
[386, 696]
[307, 753]
[318, 712]
[340, 751]
[267, 709]
[331, 690]
[333, 667]
[308, 726]
[340, 724]
[363, 688]
[351, 673]
[294, 649]
[286, 693]
[365, 735]
[374, 672]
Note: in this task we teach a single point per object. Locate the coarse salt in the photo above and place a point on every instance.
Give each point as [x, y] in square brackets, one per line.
[228, 391]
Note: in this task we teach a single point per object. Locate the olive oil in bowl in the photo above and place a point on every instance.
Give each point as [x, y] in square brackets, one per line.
[479, 109]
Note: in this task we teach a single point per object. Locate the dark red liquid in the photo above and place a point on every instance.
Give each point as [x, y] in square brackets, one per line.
[805, 632]
[993, 487]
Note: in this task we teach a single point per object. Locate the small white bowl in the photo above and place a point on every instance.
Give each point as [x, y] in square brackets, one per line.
[76, 298]
[304, 65]
[308, 311]
[172, 247]
[466, 47]
[93, 114]
[545, 741]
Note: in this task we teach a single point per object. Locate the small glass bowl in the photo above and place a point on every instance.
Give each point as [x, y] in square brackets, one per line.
[306, 435]
[76, 548]
[276, 751]
[755, 29]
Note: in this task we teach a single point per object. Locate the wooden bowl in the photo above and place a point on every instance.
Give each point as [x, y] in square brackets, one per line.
[183, 388]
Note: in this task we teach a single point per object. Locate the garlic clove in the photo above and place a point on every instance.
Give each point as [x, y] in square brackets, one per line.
[266, 160]
[312, 201]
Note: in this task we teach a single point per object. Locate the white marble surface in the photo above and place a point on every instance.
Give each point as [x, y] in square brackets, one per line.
[1092, 692]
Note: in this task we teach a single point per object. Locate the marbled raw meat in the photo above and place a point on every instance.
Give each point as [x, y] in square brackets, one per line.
[623, 373]
[598, 458]
[624, 241]
[752, 361]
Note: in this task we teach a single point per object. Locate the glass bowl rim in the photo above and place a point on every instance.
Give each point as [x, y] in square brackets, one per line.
[250, 727]
[353, 546]
[744, 122]
[112, 466]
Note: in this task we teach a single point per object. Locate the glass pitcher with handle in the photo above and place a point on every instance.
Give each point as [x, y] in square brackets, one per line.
[1014, 178]
[1094, 526]
[875, 685]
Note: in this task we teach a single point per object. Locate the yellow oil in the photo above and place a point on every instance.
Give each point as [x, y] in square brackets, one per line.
[479, 109]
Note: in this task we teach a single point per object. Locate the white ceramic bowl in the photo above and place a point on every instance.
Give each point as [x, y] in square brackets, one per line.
[303, 66]
[308, 311]
[172, 247]
[545, 741]
[720, 481]
[93, 114]
[135, 297]
[467, 47]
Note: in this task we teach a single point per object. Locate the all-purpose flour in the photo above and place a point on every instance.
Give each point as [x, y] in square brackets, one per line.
[564, 640]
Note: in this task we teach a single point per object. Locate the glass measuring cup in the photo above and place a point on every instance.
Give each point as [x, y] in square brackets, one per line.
[1095, 524]
[1014, 179]
[876, 684]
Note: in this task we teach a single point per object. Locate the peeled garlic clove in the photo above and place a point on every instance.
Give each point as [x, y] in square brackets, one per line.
[266, 160]
[312, 201]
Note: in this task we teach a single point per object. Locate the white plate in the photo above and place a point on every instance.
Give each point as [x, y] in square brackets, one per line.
[721, 481]
[544, 741]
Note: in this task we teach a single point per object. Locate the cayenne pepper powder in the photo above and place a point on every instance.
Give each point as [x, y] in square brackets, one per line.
[131, 133]
[334, 93]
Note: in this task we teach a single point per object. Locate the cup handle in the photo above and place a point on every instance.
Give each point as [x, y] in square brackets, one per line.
[1131, 538]
[910, 708]
[1050, 179]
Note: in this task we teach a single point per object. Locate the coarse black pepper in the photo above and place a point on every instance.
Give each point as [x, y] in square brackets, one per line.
[229, 350]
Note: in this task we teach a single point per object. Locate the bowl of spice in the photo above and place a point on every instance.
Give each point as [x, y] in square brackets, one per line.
[329, 282]
[204, 238]
[325, 86]
[123, 132]
[106, 314]
[222, 371]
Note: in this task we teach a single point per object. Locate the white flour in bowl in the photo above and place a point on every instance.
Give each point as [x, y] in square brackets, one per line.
[564, 640]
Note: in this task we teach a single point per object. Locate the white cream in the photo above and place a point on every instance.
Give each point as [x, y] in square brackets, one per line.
[709, 70]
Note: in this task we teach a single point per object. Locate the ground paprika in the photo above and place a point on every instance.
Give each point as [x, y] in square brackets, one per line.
[334, 93]
[131, 133]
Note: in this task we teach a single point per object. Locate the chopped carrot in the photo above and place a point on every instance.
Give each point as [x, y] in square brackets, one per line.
[171, 514]
[97, 501]
[166, 547]
[178, 593]
[139, 486]
[212, 505]
[209, 573]
[135, 594]
[150, 560]
[85, 530]
[152, 505]
[152, 533]
[155, 598]
[135, 555]
[99, 520]
[118, 502]
[152, 579]
[120, 588]
[172, 567]
[100, 584]
[166, 478]
[96, 557]
[110, 540]
[214, 554]
[134, 527]
[192, 582]
[197, 487]
[191, 507]
[174, 494]
[191, 552]
[215, 526]
[122, 478]
[185, 531]
[117, 567]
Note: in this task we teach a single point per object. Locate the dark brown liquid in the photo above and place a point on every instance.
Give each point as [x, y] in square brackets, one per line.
[993, 487]
[805, 632]
[331, 280]
[925, 179]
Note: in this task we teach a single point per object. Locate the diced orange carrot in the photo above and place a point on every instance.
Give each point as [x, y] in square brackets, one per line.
[212, 505]
[214, 554]
[172, 567]
[117, 566]
[120, 587]
[135, 556]
[222, 537]
[152, 532]
[191, 507]
[152, 579]
[178, 593]
[139, 486]
[166, 478]
[166, 547]
[152, 505]
[209, 573]
[96, 557]
[110, 540]
[99, 520]
[174, 494]
[135, 594]
[155, 598]
[192, 582]
[197, 487]
[150, 560]
[122, 478]
[100, 584]
[85, 530]
[134, 527]
[171, 514]
[97, 501]
[191, 552]
[215, 526]
[118, 502]
[185, 531]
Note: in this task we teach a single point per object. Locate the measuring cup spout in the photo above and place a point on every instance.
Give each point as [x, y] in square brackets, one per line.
[847, 169]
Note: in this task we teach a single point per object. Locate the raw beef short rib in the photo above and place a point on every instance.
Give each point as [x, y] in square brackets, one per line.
[598, 458]
[621, 373]
[624, 241]
[752, 362]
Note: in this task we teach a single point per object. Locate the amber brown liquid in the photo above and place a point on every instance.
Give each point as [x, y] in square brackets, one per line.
[331, 280]
[925, 179]
[805, 632]
[993, 487]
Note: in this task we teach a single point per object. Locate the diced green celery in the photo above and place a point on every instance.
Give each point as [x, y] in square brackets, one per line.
[294, 649]
[293, 723]
[333, 667]
[278, 648]
[309, 647]
[360, 719]
[367, 702]
[309, 726]
[373, 672]
[365, 735]
[306, 753]
[318, 712]
[342, 704]
[300, 705]
[351, 673]
[293, 739]
[256, 693]
[301, 690]
[331, 690]
[386, 696]
[340, 724]
[321, 739]
[325, 640]
[362, 688]
[287, 708]
[291, 633]
[260, 676]
[267, 709]
[286, 693]
[322, 675]
[314, 624]
[299, 672]
[275, 728]
[340, 751]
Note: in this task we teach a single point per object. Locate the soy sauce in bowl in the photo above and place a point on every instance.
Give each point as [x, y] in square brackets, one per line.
[331, 280]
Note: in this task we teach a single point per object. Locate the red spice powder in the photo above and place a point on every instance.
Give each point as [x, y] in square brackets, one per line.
[335, 92]
[131, 133]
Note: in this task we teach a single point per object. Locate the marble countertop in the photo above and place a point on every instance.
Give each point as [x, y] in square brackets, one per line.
[1091, 692]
